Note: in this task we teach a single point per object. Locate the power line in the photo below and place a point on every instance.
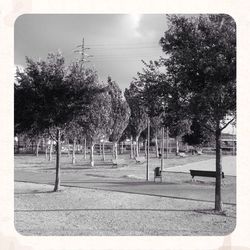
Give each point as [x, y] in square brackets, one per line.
[121, 44]
[138, 47]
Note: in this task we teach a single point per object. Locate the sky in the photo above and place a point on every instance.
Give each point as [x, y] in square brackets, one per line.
[117, 42]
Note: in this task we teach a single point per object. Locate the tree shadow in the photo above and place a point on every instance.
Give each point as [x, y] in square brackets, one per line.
[203, 211]
[35, 192]
[213, 212]
[106, 209]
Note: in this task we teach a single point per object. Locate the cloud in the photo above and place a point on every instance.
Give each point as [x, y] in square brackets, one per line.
[135, 23]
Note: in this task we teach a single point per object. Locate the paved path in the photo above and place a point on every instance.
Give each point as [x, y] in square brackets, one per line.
[228, 166]
[185, 190]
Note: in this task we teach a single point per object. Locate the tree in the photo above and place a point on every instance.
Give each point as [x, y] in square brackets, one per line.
[120, 113]
[198, 135]
[94, 117]
[98, 121]
[44, 99]
[73, 132]
[175, 116]
[201, 59]
[128, 134]
[41, 90]
[156, 124]
[138, 117]
[163, 100]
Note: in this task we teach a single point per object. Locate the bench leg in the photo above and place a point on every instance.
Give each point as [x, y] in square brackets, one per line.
[223, 182]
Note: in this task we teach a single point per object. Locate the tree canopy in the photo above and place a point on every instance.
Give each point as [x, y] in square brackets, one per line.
[120, 111]
[201, 58]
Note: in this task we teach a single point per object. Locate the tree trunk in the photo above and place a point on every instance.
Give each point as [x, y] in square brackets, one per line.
[177, 145]
[92, 154]
[115, 150]
[37, 147]
[156, 146]
[119, 148]
[46, 149]
[103, 151]
[68, 149]
[137, 146]
[74, 152]
[145, 147]
[50, 150]
[167, 143]
[58, 154]
[85, 149]
[32, 147]
[122, 148]
[131, 148]
[148, 137]
[218, 201]
[100, 148]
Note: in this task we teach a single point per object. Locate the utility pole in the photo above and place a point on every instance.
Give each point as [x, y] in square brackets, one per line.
[81, 50]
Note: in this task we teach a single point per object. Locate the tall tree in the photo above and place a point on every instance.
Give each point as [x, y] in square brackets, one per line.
[98, 121]
[41, 89]
[93, 118]
[163, 99]
[156, 123]
[73, 132]
[201, 59]
[120, 113]
[44, 99]
[138, 117]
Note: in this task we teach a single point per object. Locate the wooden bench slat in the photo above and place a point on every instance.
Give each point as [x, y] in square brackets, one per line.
[140, 159]
[204, 173]
[118, 162]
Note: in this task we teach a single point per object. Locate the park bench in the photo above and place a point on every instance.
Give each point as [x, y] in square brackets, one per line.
[204, 173]
[199, 152]
[140, 159]
[182, 155]
[157, 174]
[117, 162]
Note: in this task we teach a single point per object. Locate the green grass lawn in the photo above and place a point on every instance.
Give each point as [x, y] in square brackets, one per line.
[30, 161]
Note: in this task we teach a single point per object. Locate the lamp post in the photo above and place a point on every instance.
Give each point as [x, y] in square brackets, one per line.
[162, 149]
[167, 144]
[162, 145]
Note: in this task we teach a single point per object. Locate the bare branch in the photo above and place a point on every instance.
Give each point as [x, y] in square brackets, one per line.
[227, 124]
[51, 135]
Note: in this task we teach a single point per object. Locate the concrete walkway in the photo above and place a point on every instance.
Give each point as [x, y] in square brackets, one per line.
[228, 166]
